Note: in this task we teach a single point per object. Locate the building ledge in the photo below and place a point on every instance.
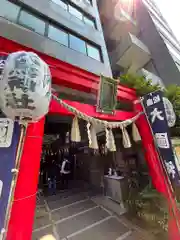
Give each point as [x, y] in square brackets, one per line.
[131, 54]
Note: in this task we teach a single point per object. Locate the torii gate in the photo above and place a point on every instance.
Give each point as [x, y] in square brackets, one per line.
[64, 74]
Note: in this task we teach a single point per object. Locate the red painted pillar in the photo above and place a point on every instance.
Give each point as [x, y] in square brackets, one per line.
[159, 179]
[151, 155]
[22, 215]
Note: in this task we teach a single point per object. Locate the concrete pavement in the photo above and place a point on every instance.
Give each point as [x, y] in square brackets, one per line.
[76, 216]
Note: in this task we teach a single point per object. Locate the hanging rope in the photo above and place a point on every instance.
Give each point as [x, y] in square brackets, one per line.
[95, 121]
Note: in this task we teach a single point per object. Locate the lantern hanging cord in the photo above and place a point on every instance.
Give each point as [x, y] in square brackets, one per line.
[95, 120]
[29, 196]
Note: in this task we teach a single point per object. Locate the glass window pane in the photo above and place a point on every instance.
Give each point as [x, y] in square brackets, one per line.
[75, 12]
[93, 52]
[77, 44]
[60, 3]
[32, 22]
[89, 2]
[58, 35]
[89, 21]
[9, 10]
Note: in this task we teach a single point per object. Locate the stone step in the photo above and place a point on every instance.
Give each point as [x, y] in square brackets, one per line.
[69, 192]
[80, 221]
[133, 236]
[42, 232]
[61, 202]
[41, 217]
[70, 210]
[110, 229]
[109, 204]
[63, 194]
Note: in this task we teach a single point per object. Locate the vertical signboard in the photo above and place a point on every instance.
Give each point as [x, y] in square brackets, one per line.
[155, 110]
[9, 137]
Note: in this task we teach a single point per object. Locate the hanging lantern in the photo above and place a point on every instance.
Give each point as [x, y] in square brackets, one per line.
[170, 114]
[25, 87]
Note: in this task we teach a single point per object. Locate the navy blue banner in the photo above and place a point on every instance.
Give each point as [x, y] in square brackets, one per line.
[155, 110]
[7, 163]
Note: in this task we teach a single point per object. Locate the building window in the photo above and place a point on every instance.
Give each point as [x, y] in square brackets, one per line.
[29, 20]
[77, 44]
[61, 3]
[75, 12]
[93, 52]
[32, 22]
[89, 21]
[58, 35]
[9, 10]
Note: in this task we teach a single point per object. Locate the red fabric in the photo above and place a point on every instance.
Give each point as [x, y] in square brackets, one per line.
[22, 215]
[159, 179]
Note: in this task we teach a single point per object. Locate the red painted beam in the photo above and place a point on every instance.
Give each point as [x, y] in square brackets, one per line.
[56, 108]
[67, 75]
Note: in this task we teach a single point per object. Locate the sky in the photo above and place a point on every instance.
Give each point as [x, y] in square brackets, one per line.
[171, 12]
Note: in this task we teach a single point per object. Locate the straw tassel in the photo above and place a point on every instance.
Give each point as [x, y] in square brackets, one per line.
[75, 132]
[93, 143]
[135, 133]
[89, 133]
[110, 142]
[107, 138]
[126, 139]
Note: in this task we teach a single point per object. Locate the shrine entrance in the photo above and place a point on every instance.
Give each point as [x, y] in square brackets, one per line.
[87, 166]
[63, 74]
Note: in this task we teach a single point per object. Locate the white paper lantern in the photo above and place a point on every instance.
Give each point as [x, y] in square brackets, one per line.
[170, 114]
[25, 87]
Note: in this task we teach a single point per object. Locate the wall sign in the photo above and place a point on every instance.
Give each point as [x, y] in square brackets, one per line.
[155, 110]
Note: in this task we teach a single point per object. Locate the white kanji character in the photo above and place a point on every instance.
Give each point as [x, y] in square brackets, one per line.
[3, 134]
[171, 169]
[149, 102]
[2, 63]
[156, 114]
[162, 140]
[156, 99]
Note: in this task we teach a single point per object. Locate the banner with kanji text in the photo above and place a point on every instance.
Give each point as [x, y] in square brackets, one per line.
[155, 111]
